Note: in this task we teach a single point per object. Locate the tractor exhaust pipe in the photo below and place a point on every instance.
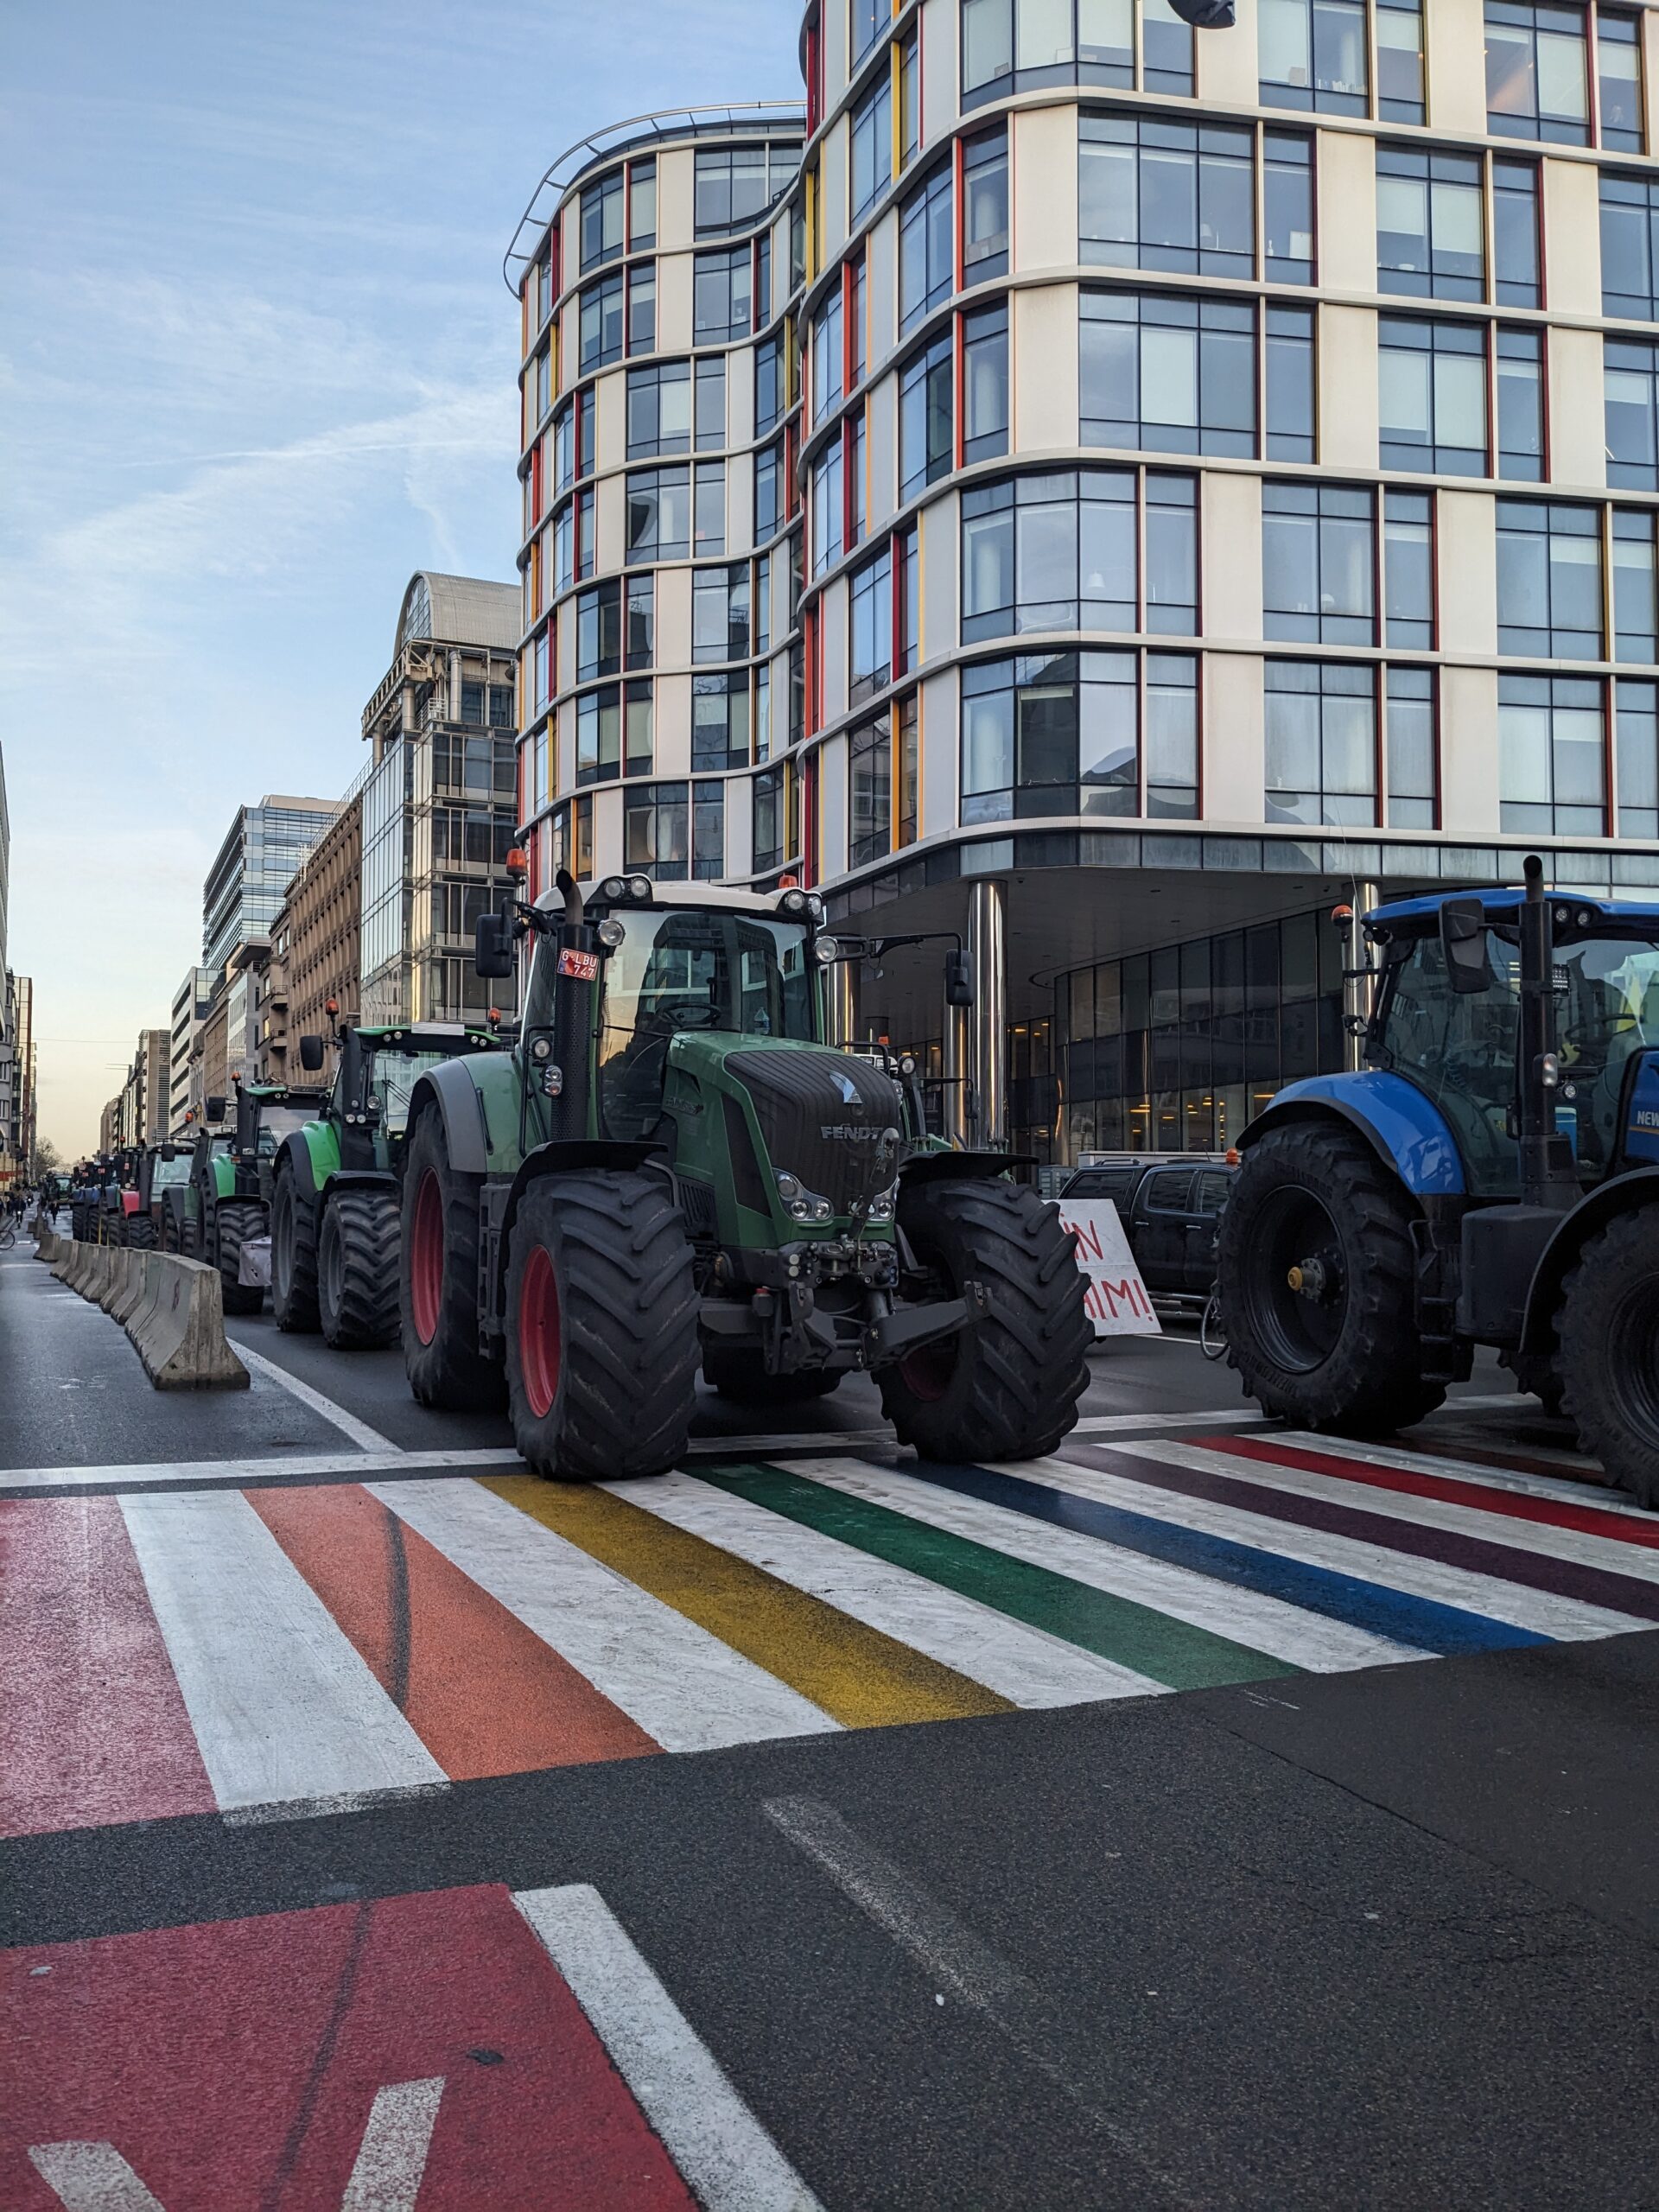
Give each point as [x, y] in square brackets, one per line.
[1546, 1178]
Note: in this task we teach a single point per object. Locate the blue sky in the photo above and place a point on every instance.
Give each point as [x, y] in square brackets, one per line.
[256, 365]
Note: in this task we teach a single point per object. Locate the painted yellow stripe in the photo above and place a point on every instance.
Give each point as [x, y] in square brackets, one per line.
[857, 1675]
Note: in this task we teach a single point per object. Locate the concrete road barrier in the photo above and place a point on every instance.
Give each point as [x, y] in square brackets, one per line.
[136, 1286]
[120, 1275]
[179, 1329]
[46, 1246]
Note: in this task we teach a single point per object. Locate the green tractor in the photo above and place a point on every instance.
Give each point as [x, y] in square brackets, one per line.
[227, 1199]
[335, 1210]
[672, 1167]
[1491, 1178]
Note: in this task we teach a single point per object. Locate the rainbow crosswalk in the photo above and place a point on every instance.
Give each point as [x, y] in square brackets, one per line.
[277, 1650]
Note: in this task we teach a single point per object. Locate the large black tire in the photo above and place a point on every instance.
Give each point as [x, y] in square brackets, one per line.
[357, 1269]
[236, 1220]
[1006, 1387]
[172, 1239]
[292, 1255]
[1342, 1352]
[601, 1327]
[1609, 1351]
[141, 1233]
[440, 1311]
[742, 1376]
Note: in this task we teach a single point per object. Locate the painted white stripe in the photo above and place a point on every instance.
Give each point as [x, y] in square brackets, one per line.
[1613, 1555]
[1561, 1489]
[313, 1808]
[721, 2150]
[391, 2158]
[1541, 1610]
[283, 1706]
[1241, 1418]
[863, 1439]
[369, 1439]
[1021, 1663]
[179, 1473]
[683, 1685]
[1266, 1624]
[91, 2177]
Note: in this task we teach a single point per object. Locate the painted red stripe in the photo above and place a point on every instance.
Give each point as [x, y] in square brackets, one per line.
[1588, 1520]
[235, 2063]
[483, 1693]
[92, 1727]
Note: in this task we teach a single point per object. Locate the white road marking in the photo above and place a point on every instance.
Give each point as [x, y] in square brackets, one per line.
[91, 2177]
[1266, 1624]
[391, 2158]
[1100, 1424]
[178, 1474]
[1541, 1611]
[283, 1706]
[723, 2153]
[951, 1956]
[683, 1685]
[315, 1809]
[1022, 1663]
[371, 1440]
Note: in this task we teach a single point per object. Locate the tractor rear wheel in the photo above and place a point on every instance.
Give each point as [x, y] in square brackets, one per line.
[1318, 1274]
[1006, 1387]
[438, 1278]
[293, 1256]
[170, 1234]
[236, 1223]
[601, 1327]
[742, 1376]
[1609, 1357]
[141, 1233]
[357, 1270]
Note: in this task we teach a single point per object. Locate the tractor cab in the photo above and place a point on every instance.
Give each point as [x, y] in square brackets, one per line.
[378, 1070]
[1448, 1020]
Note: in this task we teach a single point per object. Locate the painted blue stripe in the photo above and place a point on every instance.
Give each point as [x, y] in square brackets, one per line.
[1422, 1622]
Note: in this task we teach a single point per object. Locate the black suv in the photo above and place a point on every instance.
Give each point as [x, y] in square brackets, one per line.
[1171, 1211]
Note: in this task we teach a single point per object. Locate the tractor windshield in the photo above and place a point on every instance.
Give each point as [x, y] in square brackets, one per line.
[393, 1078]
[169, 1174]
[276, 1122]
[1462, 1051]
[691, 969]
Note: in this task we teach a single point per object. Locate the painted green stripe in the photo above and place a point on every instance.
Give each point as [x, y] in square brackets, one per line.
[1167, 1650]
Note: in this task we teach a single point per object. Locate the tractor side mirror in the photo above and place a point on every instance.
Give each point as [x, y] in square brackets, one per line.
[958, 980]
[311, 1053]
[214, 1109]
[170, 1151]
[1462, 941]
[493, 947]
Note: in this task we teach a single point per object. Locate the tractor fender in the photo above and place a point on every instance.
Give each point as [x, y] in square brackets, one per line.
[959, 1166]
[1401, 1124]
[295, 1158]
[449, 1091]
[1591, 1214]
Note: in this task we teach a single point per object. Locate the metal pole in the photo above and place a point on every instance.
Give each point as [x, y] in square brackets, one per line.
[1356, 991]
[987, 1030]
[953, 1062]
[840, 1002]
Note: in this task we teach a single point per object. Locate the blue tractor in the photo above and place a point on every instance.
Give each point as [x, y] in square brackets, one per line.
[1491, 1177]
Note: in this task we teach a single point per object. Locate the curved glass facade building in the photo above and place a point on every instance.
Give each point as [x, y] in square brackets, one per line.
[1227, 466]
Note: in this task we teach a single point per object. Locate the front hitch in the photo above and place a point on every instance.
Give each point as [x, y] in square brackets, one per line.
[895, 1336]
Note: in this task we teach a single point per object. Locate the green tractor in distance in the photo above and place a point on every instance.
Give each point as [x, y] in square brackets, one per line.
[671, 1165]
[335, 1200]
[1491, 1178]
[227, 1200]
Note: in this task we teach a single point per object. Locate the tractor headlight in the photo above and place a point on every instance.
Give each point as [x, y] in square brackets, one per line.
[799, 1203]
[613, 887]
[815, 906]
[638, 887]
[907, 1064]
[610, 933]
[824, 949]
[794, 902]
[822, 1210]
[789, 1186]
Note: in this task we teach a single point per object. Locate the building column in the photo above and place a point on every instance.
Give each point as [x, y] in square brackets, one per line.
[987, 1025]
[840, 1002]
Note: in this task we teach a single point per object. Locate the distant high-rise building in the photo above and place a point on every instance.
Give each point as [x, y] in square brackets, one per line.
[241, 898]
[191, 1003]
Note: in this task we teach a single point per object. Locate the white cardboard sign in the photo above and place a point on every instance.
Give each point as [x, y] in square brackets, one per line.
[1117, 1298]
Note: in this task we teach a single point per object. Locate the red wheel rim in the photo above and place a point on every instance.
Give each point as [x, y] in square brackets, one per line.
[540, 1336]
[426, 1257]
[926, 1374]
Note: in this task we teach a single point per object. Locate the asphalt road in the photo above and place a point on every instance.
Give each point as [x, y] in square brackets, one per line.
[1314, 1931]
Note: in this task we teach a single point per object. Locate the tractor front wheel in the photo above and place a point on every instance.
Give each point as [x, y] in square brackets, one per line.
[234, 1225]
[438, 1278]
[601, 1327]
[293, 1257]
[1609, 1360]
[742, 1376]
[141, 1233]
[1006, 1387]
[357, 1270]
[1316, 1271]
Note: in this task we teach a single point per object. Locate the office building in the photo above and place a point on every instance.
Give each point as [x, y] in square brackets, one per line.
[1228, 463]
[439, 800]
[315, 948]
[191, 1004]
[254, 867]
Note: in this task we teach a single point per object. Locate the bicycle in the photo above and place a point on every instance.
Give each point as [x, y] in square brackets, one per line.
[7, 1234]
[1212, 1329]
